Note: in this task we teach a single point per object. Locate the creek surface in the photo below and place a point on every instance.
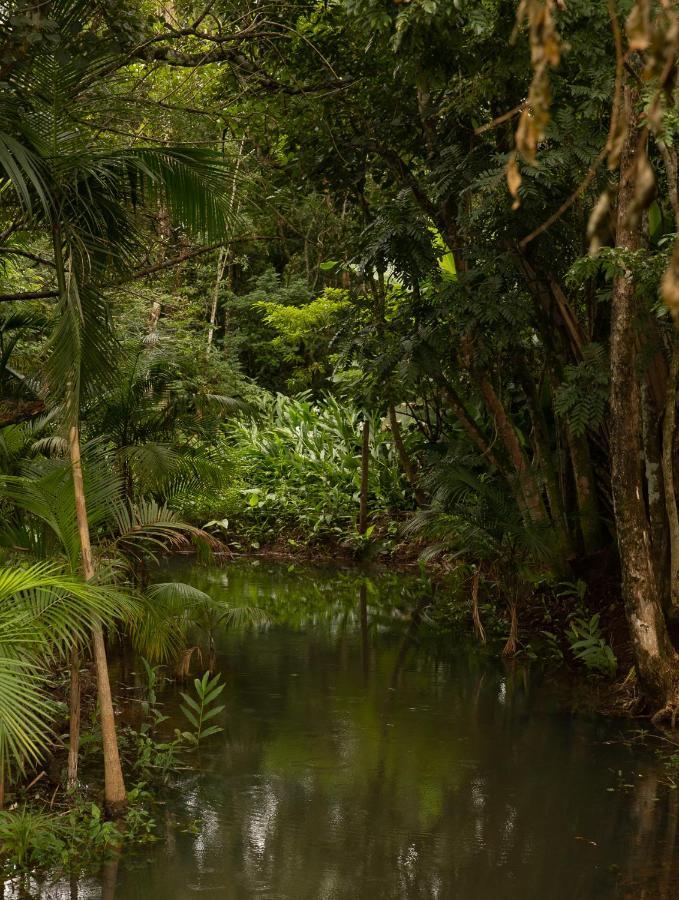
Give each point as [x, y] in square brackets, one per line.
[363, 759]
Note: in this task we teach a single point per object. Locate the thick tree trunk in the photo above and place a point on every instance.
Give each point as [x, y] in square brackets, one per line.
[651, 429]
[114, 784]
[406, 463]
[669, 427]
[657, 664]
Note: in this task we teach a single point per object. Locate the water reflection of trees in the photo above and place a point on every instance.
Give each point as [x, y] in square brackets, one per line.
[450, 780]
[361, 761]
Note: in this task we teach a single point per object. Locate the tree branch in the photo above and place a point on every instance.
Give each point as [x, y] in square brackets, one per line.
[141, 273]
[28, 295]
[13, 251]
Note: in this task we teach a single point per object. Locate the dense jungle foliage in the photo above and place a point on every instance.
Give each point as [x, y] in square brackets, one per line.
[389, 280]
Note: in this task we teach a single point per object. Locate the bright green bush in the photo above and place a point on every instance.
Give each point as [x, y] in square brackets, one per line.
[295, 466]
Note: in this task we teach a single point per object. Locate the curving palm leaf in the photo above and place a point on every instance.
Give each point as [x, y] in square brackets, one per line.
[43, 613]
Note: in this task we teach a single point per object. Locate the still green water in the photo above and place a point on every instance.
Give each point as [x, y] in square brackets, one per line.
[362, 760]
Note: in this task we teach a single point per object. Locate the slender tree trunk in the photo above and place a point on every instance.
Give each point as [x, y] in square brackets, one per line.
[154, 316]
[512, 643]
[221, 266]
[585, 491]
[165, 234]
[456, 405]
[365, 467]
[527, 482]
[114, 784]
[544, 459]
[74, 723]
[479, 630]
[224, 252]
[406, 463]
[657, 664]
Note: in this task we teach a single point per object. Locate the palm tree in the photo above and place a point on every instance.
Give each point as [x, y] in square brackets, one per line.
[124, 535]
[87, 200]
[44, 612]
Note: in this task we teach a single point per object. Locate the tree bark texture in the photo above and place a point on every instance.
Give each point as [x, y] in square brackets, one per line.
[656, 661]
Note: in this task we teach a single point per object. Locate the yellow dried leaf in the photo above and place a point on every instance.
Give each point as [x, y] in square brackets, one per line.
[598, 225]
[514, 181]
[527, 137]
[638, 25]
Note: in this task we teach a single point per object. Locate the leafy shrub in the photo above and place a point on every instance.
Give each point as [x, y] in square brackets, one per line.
[589, 647]
[296, 465]
[201, 708]
[38, 839]
[29, 838]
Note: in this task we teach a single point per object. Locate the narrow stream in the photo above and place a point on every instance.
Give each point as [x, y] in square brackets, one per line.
[360, 763]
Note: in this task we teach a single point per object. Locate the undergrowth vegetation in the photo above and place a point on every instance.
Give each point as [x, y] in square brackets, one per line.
[293, 469]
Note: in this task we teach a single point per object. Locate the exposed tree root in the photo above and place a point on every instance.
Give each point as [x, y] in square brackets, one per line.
[669, 713]
[479, 630]
[512, 644]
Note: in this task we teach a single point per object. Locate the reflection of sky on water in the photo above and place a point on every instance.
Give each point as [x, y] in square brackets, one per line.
[420, 774]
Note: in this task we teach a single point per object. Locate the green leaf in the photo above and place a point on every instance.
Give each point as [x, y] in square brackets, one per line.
[213, 729]
[190, 716]
[213, 712]
[191, 702]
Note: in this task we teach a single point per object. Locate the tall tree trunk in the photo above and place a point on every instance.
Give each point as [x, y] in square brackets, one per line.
[406, 463]
[657, 664]
[669, 155]
[114, 784]
[115, 797]
[224, 252]
[669, 427]
[651, 431]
